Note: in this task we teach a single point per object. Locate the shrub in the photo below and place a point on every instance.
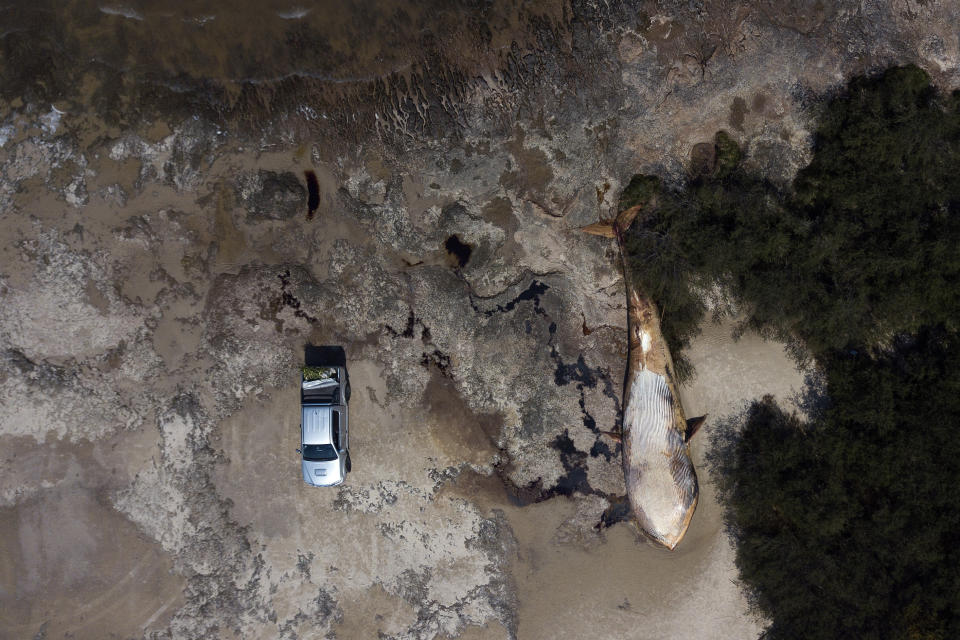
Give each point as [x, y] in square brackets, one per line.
[849, 526]
[867, 245]
[639, 191]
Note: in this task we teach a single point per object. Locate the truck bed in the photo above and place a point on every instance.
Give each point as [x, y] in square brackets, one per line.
[324, 395]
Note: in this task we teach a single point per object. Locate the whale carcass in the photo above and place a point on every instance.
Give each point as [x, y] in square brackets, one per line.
[661, 482]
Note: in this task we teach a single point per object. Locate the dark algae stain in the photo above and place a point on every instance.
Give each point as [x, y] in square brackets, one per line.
[738, 112]
[618, 511]
[458, 249]
[313, 191]
[533, 293]
[285, 299]
[575, 479]
[574, 461]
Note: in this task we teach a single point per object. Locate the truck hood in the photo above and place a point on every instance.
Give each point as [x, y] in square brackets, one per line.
[322, 474]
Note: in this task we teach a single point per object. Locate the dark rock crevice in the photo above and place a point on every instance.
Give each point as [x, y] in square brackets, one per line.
[458, 250]
[575, 479]
[287, 299]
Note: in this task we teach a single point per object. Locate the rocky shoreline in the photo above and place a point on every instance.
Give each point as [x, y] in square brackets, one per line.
[156, 242]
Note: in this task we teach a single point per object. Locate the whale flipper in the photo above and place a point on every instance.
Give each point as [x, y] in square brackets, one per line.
[603, 229]
[693, 425]
[613, 435]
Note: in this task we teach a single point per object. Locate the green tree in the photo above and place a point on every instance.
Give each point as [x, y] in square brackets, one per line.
[866, 245]
[848, 526]
[881, 199]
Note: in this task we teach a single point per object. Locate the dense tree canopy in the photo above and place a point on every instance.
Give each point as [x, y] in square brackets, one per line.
[867, 244]
[848, 526]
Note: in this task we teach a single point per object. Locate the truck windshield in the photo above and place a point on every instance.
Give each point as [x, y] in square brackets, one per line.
[319, 452]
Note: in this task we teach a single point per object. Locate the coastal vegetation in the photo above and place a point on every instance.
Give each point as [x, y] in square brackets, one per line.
[845, 523]
[865, 245]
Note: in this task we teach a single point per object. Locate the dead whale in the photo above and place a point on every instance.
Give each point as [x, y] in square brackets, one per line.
[661, 481]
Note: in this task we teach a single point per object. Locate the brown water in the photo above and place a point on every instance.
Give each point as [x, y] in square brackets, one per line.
[326, 63]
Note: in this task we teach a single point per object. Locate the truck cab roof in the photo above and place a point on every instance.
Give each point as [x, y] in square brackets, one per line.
[317, 424]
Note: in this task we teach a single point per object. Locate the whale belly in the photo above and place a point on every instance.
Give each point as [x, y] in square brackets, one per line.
[661, 482]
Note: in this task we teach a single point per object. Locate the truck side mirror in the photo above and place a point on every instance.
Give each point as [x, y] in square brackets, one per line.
[298, 451]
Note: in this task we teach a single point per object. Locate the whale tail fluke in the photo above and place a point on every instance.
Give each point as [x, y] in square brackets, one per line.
[603, 229]
[612, 228]
[626, 217]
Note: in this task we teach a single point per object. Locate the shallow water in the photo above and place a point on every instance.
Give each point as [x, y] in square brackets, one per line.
[252, 61]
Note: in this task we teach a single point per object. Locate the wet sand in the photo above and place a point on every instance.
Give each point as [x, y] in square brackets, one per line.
[430, 507]
[74, 567]
[617, 584]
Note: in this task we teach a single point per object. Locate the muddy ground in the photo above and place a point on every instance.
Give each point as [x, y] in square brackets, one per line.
[160, 275]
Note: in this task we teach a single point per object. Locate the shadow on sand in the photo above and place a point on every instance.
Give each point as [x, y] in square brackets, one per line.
[324, 356]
